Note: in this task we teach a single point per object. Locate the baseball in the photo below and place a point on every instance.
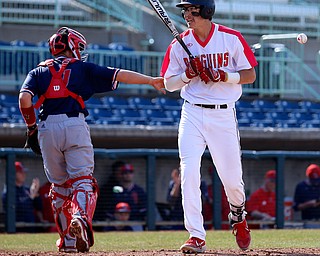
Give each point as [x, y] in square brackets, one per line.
[302, 38]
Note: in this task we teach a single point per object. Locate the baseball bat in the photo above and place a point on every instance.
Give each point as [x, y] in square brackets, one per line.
[161, 12]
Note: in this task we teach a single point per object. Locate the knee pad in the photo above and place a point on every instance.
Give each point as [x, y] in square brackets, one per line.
[84, 198]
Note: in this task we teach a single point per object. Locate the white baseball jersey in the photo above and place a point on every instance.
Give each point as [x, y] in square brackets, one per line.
[224, 49]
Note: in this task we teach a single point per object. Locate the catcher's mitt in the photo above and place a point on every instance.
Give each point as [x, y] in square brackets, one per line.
[32, 140]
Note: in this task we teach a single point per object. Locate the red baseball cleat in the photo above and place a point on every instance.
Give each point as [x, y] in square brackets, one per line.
[242, 233]
[193, 245]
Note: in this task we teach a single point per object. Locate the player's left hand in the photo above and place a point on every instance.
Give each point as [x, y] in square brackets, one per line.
[213, 75]
[194, 67]
[32, 139]
[158, 84]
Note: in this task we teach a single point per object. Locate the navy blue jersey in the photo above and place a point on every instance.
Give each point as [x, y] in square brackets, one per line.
[176, 202]
[136, 197]
[85, 79]
[305, 192]
[25, 206]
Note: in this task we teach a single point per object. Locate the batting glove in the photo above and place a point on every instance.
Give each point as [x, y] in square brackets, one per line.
[194, 68]
[213, 75]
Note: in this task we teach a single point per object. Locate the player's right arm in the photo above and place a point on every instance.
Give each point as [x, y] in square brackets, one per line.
[193, 69]
[175, 83]
[132, 77]
[308, 204]
[175, 77]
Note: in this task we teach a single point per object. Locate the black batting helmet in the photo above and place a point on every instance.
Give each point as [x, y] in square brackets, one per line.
[207, 7]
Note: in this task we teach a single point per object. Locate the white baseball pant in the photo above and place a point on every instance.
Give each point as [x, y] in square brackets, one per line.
[216, 128]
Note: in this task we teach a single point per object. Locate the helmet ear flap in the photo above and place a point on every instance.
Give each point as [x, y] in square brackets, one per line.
[207, 12]
[207, 7]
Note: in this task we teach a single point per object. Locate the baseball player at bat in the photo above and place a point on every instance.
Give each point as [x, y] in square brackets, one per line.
[210, 85]
[62, 85]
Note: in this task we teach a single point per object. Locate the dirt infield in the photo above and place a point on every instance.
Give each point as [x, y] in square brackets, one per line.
[251, 252]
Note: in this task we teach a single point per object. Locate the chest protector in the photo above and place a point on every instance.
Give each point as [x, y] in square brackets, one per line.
[58, 84]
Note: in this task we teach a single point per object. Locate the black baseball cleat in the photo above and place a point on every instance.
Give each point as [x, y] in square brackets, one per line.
[78, 230]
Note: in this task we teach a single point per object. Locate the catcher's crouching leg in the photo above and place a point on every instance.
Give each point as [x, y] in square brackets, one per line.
[74, 217]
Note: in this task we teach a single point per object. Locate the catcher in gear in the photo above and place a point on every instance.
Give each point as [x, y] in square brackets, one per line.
[62, 85]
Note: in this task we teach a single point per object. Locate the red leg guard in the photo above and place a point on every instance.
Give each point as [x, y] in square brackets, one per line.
[90, 206]
[60, 212]
[71, 207]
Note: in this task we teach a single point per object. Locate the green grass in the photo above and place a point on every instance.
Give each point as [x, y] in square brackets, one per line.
[170, 240]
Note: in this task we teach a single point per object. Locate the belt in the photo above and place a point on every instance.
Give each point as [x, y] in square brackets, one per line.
[70, 114]
[73, 114]
[223, 106]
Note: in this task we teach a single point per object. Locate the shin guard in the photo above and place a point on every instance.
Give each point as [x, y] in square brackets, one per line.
[60, 201]
[83, 203]
[75, 198]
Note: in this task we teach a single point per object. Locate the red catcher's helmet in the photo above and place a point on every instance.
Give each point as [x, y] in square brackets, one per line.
[67, 39]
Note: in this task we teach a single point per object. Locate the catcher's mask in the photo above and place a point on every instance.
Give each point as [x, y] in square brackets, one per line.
[207, 7]
[68, 39]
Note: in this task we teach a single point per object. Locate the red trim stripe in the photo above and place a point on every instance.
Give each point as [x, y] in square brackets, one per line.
[246, 48]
